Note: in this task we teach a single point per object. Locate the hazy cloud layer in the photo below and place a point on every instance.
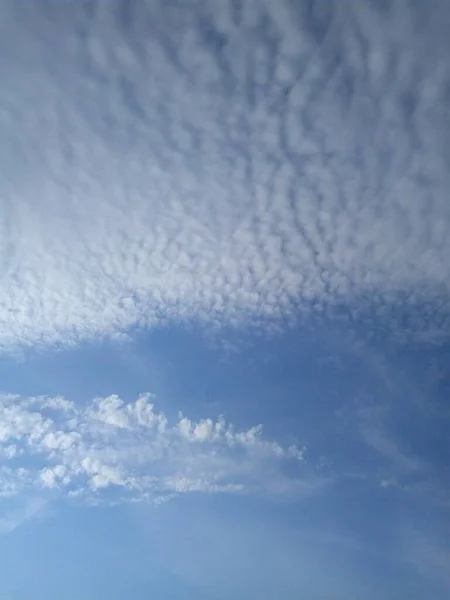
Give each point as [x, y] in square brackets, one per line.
[112, 450]
[222, 160]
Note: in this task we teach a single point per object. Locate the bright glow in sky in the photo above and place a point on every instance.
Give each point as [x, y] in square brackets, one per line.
[224, 299]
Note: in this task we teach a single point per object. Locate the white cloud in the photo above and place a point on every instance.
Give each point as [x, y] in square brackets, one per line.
[227, 168]
[132, 451]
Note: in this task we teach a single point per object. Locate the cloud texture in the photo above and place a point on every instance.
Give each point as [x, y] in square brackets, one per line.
[223, 161]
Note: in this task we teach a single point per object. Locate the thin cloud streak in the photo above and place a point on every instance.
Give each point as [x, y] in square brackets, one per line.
[30, 509]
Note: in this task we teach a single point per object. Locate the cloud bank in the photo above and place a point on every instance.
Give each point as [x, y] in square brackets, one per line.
[110, 450]
[222, 161]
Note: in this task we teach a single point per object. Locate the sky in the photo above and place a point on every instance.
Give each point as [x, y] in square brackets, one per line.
[224, 299]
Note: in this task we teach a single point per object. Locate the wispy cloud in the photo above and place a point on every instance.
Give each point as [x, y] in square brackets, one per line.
[110, 449]
[430, 554]
[17, 517]
[404, 443]
[224, 161]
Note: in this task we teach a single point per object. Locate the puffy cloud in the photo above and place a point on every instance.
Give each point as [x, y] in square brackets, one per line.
[131, 451]
[59, 440]
[51, 476]
[203, 431]
[113, 411]
[231, 165]
[17, 422]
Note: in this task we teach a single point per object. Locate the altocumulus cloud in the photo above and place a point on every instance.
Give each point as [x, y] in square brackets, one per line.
[110, 450]
[223, 161]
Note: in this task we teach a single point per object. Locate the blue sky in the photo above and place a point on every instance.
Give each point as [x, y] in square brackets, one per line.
[224, 300]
